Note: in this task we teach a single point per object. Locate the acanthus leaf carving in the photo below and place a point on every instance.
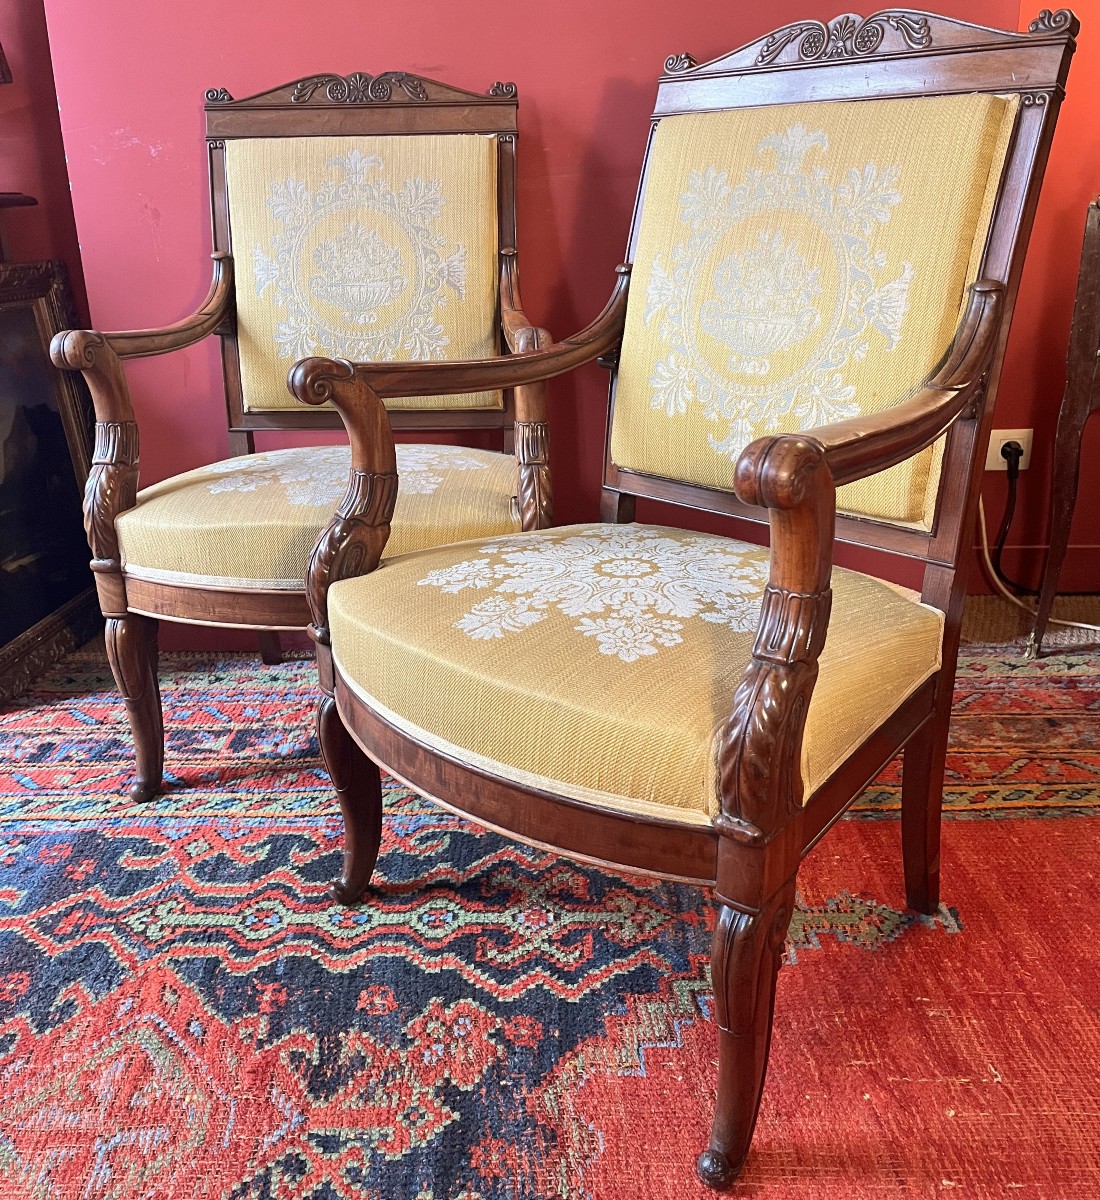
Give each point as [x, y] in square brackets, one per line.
[359, 87]
[759, 763]
[535, 497]
[845, 37]
[352, 542]
[111, 489]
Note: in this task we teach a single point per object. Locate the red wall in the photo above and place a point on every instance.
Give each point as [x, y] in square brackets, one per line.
[1035, 365]
[32, 158]
[131, 77]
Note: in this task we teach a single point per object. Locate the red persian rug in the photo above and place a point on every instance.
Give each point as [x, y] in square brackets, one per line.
[184, 1013]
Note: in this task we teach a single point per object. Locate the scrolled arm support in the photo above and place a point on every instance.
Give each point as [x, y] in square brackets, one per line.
[759, 760]
[353, 541]
[795, 477]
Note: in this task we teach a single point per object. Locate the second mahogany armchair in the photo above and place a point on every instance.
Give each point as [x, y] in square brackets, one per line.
[366, 216]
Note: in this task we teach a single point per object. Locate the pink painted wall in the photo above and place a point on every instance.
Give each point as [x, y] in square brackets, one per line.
[32, 158]
[1035, 365]
[131, 77]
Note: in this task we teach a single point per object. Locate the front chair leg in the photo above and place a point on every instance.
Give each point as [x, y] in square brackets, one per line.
[132, 652]
[358, 785]
[745, 957]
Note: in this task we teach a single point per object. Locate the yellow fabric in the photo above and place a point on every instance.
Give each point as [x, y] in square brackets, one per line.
[380, 248]
[251, 522]
[600, 661]
[797, 265]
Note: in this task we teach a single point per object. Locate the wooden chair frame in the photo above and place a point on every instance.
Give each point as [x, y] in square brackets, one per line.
[751, 852]
[391, 103]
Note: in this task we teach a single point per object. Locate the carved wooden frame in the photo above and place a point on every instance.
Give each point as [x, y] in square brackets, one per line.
[43, 288]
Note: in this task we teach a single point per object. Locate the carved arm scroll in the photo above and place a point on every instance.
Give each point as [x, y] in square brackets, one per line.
[759, 758]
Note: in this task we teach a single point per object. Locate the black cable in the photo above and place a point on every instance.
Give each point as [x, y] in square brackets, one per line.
[1011, 452]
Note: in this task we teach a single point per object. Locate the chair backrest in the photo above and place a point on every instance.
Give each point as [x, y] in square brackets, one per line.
[812, 210]
[367, 217]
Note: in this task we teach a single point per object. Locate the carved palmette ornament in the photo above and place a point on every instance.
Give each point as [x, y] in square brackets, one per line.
[359, 87]
[845, 37]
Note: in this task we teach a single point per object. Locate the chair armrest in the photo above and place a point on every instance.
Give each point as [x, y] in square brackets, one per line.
[392, 379]
[67, 347]
[795, 477]
[866, 445]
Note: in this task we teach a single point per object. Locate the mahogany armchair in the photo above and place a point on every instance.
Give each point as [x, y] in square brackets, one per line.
[361, 217]
[809, 328]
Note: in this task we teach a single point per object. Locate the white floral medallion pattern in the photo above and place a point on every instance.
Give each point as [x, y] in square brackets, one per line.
[764, 298]
[358, 268]
[318, 477]
[632, 588]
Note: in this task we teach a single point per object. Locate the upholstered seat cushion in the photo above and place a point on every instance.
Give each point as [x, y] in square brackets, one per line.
[600, 661]
[250, 522]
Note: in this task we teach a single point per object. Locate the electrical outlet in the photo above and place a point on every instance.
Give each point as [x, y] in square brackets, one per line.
[993, 459]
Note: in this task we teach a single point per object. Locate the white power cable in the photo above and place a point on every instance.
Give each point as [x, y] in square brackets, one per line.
[993, 579]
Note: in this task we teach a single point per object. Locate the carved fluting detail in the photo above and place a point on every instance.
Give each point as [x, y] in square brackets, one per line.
[1061, 21]
[506, 91]
[111, 489]
[536, 504]
[218, 96]
[740, 936]
[676, 63]
[792, 626]
[759, 755]
[352, 542]
[359, 87]
[746, 951]
[845, 37]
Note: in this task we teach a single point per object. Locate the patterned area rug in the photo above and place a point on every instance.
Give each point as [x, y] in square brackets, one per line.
[184, 1013]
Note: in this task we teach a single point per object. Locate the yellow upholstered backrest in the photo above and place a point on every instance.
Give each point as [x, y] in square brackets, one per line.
[801, 264]
[367, 248]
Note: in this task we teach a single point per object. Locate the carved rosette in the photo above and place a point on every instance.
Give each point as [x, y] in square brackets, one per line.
[352, 542]
[845, 37]
[536, 503]
[359, 88]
